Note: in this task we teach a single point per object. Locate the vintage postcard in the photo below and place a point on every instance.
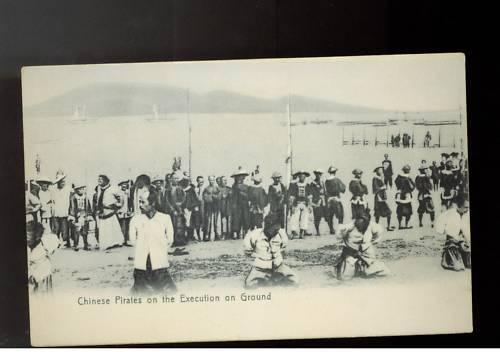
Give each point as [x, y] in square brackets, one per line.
[247, 200]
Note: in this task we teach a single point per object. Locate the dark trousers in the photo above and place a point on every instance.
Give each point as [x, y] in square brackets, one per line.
[240, 220]
[125, 224]
[211, 216]
[151, 281]
[61, 228]
[388, 181]
[80, 231]
[335, 208]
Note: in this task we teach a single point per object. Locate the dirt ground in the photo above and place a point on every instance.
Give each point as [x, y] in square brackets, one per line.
[412, 255]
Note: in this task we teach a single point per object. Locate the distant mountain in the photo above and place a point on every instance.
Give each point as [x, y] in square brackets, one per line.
[120, 99]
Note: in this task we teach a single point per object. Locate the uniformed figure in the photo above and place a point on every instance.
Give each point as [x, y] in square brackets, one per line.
[454, 223]
[192, 212]
[177, 200]
[211, 197]
[380, 206]
[265, 245]
[277, 196]
[334, 187]
[258, 202]
[435, 176]
[225, 207]
[240, 206]
[298, 200]
[45, 196]
[358, 256]
[80, 213]
[125, 212]
[405, 186]
[197, 210]
[159, 183]
[359, 190]
[448, 185]
[387, 165]
[318, 199]
[423, 184]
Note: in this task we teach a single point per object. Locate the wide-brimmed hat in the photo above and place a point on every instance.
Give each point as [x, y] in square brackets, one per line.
[43, 179]
[445, 155]
[357, 172]
[318, 171]
[59, 178]
[157, 177]
[406, 169]
[332, 169]
[240, 172]
[297, 173]
[276, 174]
[79, 185]
[123, 182]
[378, 167]
[453, 154]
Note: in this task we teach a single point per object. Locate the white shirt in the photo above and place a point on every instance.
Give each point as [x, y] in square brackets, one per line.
[267, 252]
[61, 201]
[452, 224]
[151, 237]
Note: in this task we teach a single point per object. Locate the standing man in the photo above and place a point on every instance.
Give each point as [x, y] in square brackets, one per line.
[387, 164]
[152, 234]
[333, 189]
[298, 200]
[159, 184]
[265, 245]
[211, 197]
[191, 212]
[277, 196]
[423, 184]
[45, 196]
[435, 176]
[32, 206]
[380, 206]
[225, 207]
[405, 187]
[198, 207]
[317, 199]
[448, 185]
[80, 213]
[125, 212]
[109, 201]
[258, 201]
[240, 206]
[358, 190]
[61, 209]
[177, 199]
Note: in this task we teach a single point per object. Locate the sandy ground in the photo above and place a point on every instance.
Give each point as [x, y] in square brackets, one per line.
[412, 256]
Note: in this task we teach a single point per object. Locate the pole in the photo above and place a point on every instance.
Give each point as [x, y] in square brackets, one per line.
[289, 160]
[190, 152]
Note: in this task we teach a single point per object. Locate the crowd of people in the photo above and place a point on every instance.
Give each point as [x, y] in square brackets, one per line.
[217, 211]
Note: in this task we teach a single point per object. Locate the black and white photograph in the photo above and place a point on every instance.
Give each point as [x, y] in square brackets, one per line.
[329, 194]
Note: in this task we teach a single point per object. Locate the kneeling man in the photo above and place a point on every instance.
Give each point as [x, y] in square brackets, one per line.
[265, 246]
[358, 256]
[152, 234]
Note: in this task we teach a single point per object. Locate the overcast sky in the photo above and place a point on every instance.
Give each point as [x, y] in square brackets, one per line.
[401, 82]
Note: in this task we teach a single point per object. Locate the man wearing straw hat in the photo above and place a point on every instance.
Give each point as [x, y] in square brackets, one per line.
[80, 212]
[299, 200]
[277, 196]
[380, 205]
[125, 212]
[334, 187]
[45, 196]
[358, 190]
[61, 197]
[317, 199]
[405, 186]
[240, 207]
[424, 187]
